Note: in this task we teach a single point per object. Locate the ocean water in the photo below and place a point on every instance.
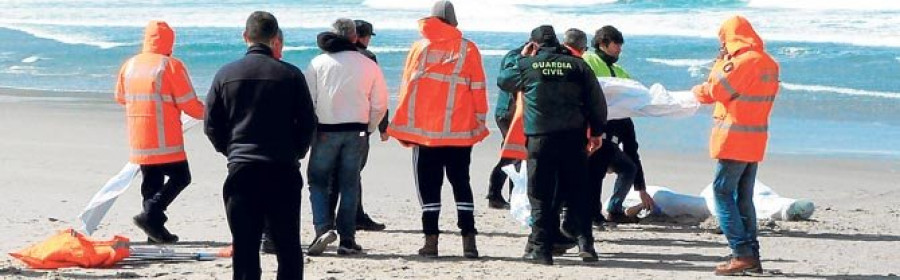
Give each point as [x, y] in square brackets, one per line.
[840, 60]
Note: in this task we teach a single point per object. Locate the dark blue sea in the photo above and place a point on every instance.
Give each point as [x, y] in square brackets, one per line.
[840, 60]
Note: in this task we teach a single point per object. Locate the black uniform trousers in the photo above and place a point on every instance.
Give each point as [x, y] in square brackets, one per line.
[270, 193]
[430, 164]
[557, 165]
[158, 193]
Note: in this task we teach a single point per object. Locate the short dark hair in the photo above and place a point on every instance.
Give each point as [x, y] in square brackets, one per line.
[605, 35]
[261, 27]
[544, 36]
[575, 38]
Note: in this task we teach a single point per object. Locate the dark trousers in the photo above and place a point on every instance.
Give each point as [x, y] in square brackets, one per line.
[264, 193]
[498, 177]
[609, 156]
[158, 193]
[430, 164]
[557, 165]
[333, 191]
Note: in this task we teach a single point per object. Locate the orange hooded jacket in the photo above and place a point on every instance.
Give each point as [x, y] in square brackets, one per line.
[443, 101]
[743, 86]
[155, 88]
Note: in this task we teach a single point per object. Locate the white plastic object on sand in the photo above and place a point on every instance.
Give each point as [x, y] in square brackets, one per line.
[670, 203]
[769, 205]
[519, 206]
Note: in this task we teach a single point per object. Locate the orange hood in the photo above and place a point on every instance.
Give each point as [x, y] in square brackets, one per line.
[434, 29]
[159, 38]
[738, 34]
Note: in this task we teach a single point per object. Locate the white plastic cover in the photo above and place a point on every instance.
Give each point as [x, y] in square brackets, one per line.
[627, 98]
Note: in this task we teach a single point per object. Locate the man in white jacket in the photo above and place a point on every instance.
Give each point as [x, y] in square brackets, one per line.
[350, 98]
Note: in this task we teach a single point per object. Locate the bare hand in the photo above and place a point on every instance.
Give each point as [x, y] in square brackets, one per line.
[530, 49]
[595, 143]
[647, 201]
[384, 137]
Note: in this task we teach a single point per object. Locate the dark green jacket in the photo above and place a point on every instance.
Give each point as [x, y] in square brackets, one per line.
[506, 97]
[560, 93]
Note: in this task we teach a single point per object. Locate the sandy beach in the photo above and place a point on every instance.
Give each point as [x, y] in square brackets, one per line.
[58, 150]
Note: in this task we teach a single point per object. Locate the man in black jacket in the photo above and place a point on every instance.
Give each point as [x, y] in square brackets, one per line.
[562, 100]
[260, 116]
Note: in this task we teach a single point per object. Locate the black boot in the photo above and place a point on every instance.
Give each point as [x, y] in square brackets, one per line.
[268, 245]
[367, 224]
[153, 226]
[586, 250]
[496, 201]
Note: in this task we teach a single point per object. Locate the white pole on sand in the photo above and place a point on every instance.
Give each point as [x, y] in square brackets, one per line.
[99, 205]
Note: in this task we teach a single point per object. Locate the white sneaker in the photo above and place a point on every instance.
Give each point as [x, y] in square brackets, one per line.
[321, 242]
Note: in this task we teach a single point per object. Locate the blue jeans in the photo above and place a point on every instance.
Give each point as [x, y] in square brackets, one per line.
[733, 189]
[336, 156]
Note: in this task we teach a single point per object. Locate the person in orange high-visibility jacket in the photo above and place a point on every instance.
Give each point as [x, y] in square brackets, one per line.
[441, 114]
[155, 88]
[743, 84]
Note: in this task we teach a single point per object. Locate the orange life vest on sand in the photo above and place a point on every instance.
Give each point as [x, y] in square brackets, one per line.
[743, 86]
[443, 101]
[155, 88]
[69, 248]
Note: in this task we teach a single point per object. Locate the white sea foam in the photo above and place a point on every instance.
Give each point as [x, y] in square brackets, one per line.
[65, 37]
[31, 59]
[841, 90]
[873, 5]
[298, 48]
[494, 52]
[680, 62]
[388, 49]
[870, 23]
[383, 49]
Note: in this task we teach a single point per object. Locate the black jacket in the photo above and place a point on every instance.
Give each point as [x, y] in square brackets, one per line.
[259, 110]
[560, 93]
[383, 125]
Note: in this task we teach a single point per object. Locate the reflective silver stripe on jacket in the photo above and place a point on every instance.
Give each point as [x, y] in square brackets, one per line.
[157, 151]
[756, 98]
[724, 82]
[411, 108]
[516, 148]
[451, 94]
[160, 117]
[741, 127]
[439, 135]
